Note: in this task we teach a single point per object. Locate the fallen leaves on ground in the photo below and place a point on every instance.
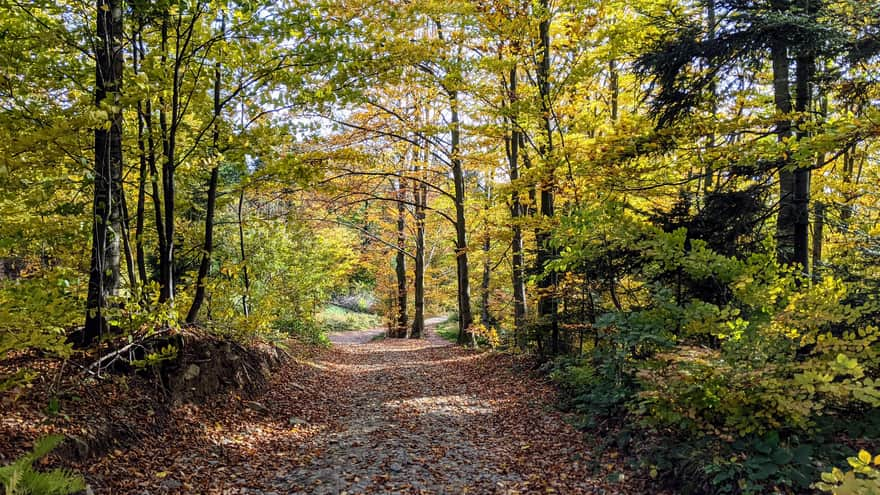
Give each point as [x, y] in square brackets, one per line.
[389, 416]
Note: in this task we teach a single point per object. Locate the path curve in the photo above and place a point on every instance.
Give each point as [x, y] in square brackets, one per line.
[358, 337]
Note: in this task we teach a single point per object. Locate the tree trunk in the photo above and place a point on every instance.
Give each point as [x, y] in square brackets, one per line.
[849, 161]
[801, 193]
[402, 318]
[485, 315]
[140, 213]
[107, 215]
[126, 240]
[818, 234]
[547, 283]
[208, 247]
[166, 263]
[614, 77]
[819, 208]
[244, 271]
[517, 211]
[154, 187]
[782, 98]
[465, 317]
[150, 152]
[420, 195]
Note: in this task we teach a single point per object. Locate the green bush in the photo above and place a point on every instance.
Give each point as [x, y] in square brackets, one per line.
[302, 329]
[737, 362]
[596, 389]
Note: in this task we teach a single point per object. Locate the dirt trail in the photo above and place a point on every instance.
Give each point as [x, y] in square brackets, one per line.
[365, 336]
[388, 416]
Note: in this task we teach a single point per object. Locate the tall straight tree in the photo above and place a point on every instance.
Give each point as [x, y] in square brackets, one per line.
[420, 206]
[107, 204]
[465, 316]
[517, 209]
[208, 246]
[547, 302]
[402, 317]
[785, 235]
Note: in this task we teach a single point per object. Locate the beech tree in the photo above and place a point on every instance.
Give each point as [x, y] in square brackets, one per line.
[107, 224]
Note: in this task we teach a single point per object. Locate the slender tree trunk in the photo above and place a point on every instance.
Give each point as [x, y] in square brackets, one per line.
[547, 283]
[126, 238]
[154, 187]
[420, 194]
[848, 170]
[140, 213]
[208, 247]
[107, 215]
[485, 315]
[402, 318]
[152, 166]
[517, 211]
[166, 264]
[819, 208]
[244, 271]
[465, 317]
[818, 234]
[530, 210]
[614, 77]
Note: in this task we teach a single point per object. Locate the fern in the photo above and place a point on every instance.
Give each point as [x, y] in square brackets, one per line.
[20, 478]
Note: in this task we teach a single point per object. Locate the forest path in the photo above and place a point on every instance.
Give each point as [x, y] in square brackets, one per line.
[366, 336]
[426, 417]
[388, 416]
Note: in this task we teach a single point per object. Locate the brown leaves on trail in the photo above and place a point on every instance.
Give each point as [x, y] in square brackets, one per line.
[396, 416]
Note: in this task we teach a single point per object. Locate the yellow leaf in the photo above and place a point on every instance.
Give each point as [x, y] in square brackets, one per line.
[161, 474]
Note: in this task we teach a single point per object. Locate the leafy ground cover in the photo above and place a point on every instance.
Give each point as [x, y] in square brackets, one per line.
[397, 415]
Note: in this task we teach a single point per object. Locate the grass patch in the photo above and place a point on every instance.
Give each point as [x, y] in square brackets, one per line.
[448, 330]
[337, 319]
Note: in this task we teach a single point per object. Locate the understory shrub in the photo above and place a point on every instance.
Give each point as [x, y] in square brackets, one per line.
[306, 330]
[863, 477]
[738, 367]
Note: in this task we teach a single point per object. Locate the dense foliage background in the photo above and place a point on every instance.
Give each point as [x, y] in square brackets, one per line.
[673, 202]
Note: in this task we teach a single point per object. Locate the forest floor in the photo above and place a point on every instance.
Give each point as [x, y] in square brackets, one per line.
[370, 416]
